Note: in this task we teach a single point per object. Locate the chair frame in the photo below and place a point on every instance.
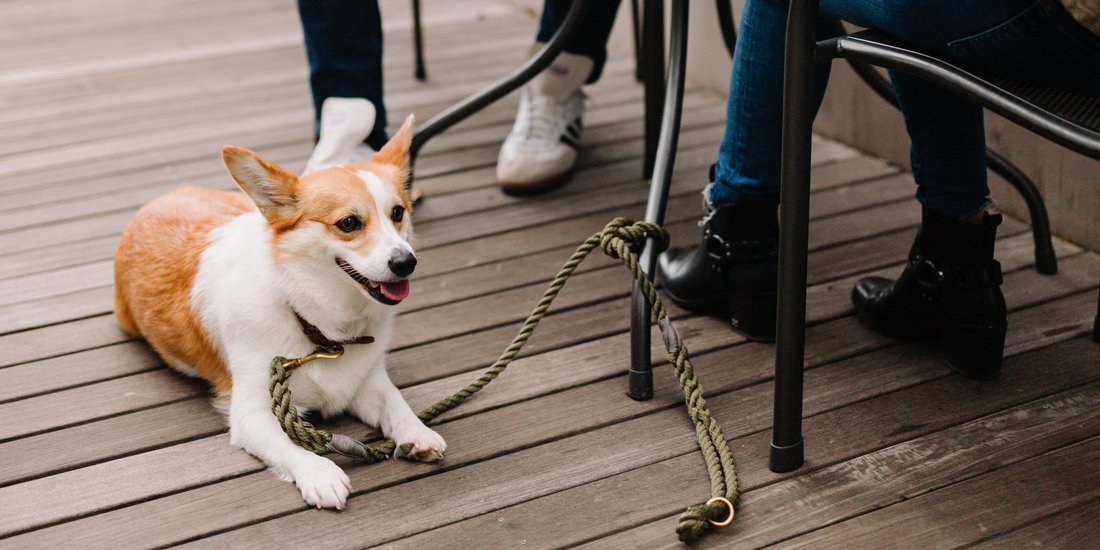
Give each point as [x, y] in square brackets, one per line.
[663, 103]
[867, 47]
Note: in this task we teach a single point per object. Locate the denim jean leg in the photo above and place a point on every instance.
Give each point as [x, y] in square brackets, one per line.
[343, 41]
[747, 168]
[590, 40]
[947, 149]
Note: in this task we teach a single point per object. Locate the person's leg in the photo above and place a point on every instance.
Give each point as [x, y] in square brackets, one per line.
[951, 288]
[747, 168]
[733, 271]
[590, 40]
[541, 150]
[344, 46]
[947, 151]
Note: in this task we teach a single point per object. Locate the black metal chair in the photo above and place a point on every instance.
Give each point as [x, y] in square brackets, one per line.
[1067, 119]
[663, 105]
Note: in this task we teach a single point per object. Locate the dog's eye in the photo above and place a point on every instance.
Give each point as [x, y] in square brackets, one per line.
[349, 224]
[397, 214]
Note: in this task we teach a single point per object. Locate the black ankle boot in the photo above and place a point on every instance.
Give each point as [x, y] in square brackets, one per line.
[950, 291]
[733, 272]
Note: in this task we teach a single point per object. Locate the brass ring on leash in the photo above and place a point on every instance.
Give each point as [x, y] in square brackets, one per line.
[729, 505]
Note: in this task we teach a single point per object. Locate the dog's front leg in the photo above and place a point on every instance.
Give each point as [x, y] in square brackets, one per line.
[379, 403]
[254, 428]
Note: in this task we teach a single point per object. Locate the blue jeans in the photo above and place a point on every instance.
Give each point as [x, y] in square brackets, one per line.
[590, 40]
[344, 47]
[1034, 39]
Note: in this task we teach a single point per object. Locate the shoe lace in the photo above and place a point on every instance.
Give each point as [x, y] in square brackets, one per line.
[545, 118]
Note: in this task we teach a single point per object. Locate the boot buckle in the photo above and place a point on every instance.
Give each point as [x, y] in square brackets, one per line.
[718, 249]
[928, 275]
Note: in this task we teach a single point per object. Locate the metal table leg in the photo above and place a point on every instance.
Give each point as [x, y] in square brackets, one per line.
[641, 377]
[1096, 323]
[418, 42]
[653, 69]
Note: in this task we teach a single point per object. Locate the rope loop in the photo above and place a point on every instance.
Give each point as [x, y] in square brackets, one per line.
[622, 234]
[699, 518]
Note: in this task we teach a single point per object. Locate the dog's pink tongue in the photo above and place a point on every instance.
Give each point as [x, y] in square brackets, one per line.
[396, 291]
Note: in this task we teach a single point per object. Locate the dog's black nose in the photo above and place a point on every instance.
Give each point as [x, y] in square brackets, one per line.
[402, 263]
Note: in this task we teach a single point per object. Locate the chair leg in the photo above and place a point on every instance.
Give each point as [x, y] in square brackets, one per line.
[1045, 260]
[727, 25]
[641, 376]
[653, 65]
[418, 42]
[798, 82]
[635, 25]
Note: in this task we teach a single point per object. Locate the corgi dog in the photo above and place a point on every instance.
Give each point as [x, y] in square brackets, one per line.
[221, 282]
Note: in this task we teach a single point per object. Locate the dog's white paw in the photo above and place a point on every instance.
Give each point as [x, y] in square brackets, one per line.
[420, 443]
[323, 483]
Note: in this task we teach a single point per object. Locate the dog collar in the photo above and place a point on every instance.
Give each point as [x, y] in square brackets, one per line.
[320, 340]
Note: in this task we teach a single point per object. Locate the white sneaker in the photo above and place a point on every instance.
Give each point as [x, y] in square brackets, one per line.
[541, 150]
[345, 123]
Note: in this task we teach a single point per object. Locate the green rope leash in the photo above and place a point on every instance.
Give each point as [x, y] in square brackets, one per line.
[620, 239]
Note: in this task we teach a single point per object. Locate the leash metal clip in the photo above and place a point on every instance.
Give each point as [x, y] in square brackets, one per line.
[330, 352]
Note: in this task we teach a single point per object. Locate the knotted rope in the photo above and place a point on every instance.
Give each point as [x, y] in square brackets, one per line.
[621, 239]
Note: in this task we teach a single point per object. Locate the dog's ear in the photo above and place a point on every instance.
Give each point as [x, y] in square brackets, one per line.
[396, 151]
[273, 189]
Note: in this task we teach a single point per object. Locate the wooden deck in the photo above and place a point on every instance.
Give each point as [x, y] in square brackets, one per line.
[105, 105]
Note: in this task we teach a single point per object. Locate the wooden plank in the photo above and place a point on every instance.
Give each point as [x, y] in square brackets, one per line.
[407, 508]
[984, 505]
[412, 365]
[58, 281]
[266, 69]
[207, 109]
[58, 340]
[114, 437]
[491, 123]
[1073, 528]
[99, 274]
[169, 87]
[524, 383]
[68, 371]
[196, 143]
[928, 411]
[53, 178]
[68, 254]
[560, 234]
[386, 473]
[99, 400]
[197, 50]
[608, 140]
[98, 248]
[107, 223]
